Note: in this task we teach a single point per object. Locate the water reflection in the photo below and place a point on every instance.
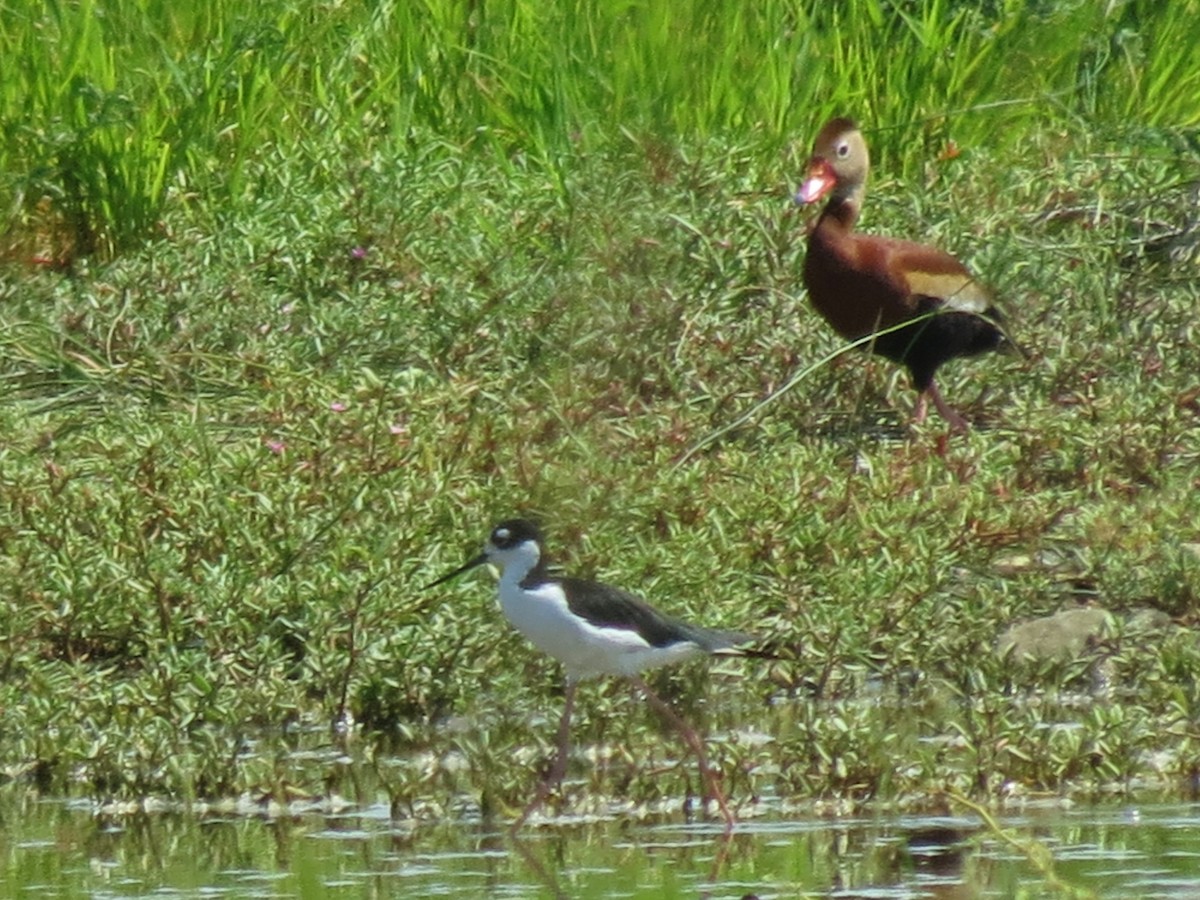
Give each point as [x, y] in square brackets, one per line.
[62, 850]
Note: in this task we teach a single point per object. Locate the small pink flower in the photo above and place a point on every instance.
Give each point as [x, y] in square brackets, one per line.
[276, 447]
[398, 428]
[358, 253]
[337, 406]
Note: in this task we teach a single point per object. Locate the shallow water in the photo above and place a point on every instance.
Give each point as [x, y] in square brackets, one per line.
[59, 849]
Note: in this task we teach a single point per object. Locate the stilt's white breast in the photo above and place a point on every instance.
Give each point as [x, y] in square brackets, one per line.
[541, 614]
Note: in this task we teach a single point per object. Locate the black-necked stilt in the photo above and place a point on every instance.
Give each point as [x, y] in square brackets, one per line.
[593, 629]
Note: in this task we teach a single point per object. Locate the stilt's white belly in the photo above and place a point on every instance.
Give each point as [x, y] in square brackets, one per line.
[542, 615]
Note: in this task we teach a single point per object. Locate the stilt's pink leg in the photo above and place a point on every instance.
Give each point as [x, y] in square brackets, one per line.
[559, 768]
[709, 780]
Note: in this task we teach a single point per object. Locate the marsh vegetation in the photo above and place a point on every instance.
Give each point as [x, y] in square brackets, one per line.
[297, 299]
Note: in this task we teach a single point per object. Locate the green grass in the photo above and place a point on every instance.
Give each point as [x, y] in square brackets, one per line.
[120, 110]
[403, 274]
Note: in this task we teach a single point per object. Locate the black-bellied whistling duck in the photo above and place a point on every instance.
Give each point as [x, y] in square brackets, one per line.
[863, 284]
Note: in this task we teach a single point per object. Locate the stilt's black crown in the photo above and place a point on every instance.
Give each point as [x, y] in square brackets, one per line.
[512, 532]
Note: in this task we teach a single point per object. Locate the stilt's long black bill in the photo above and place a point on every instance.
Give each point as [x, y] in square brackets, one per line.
[477, 561]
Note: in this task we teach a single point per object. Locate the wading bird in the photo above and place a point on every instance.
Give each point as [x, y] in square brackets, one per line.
[594, 629]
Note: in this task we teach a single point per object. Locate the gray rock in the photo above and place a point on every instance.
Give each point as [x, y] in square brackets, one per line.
[1063, 636]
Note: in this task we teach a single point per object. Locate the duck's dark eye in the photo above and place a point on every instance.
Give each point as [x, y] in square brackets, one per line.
[843, 150]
